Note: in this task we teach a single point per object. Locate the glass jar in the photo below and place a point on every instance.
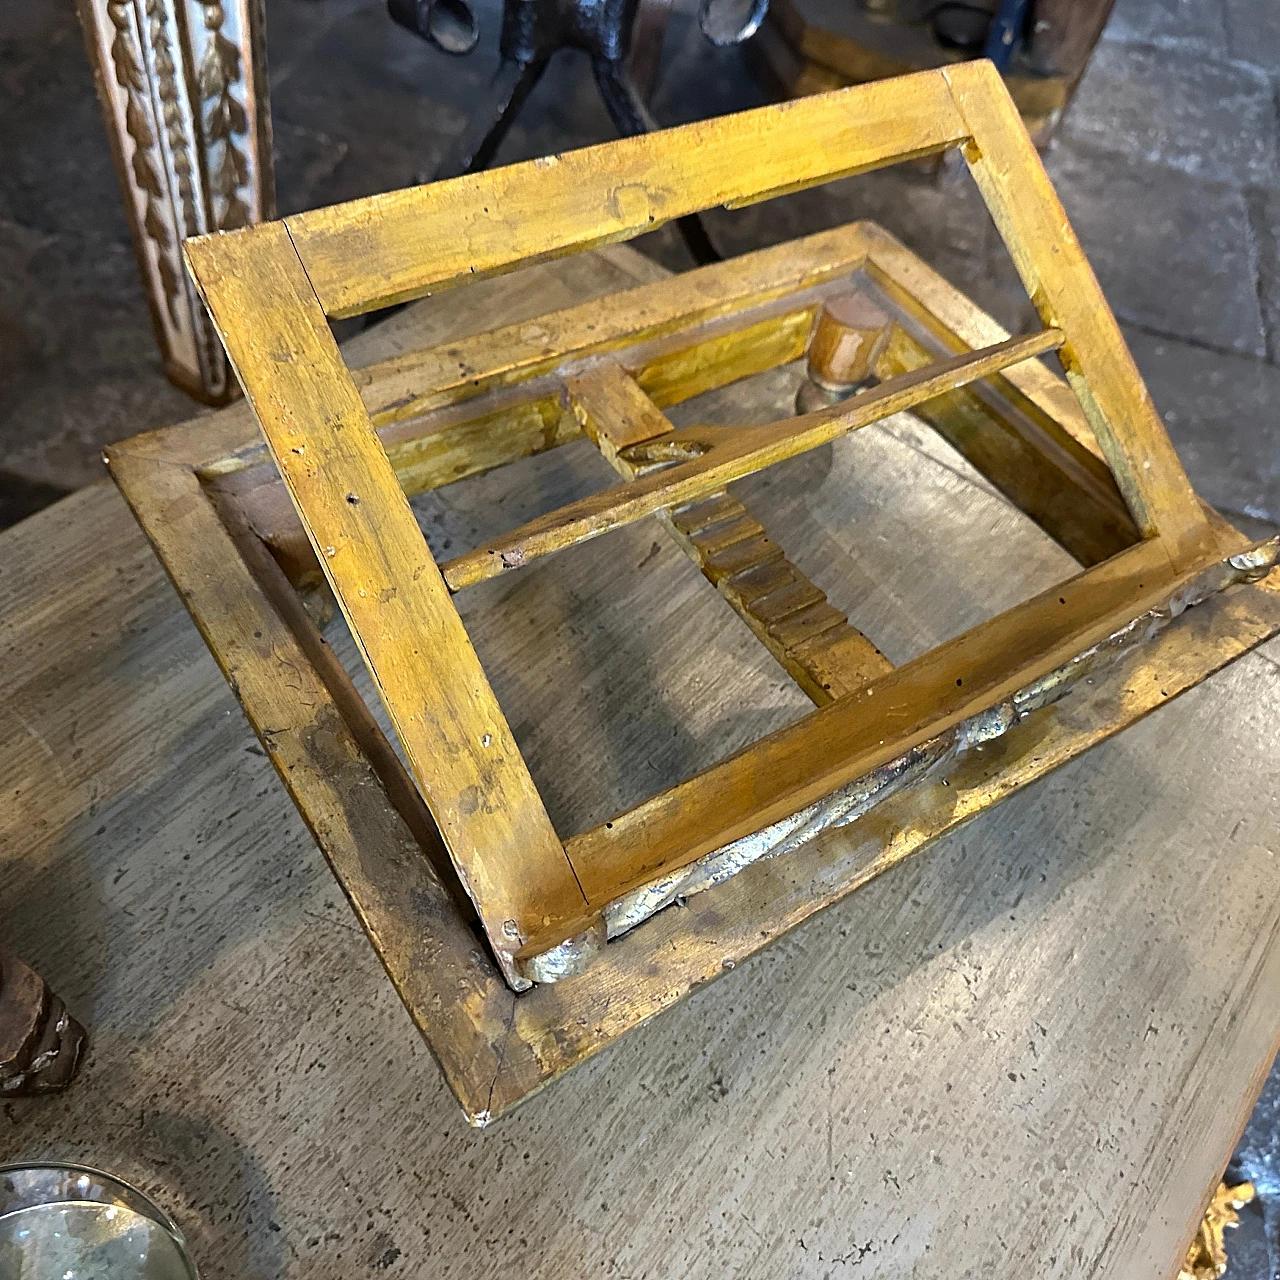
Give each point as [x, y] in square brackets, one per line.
[68, 1222]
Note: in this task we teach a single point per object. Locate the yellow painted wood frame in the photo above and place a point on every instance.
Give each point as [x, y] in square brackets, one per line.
[210, 498]
[543, 902]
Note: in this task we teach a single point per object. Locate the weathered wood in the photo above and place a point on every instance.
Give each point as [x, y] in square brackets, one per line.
[459, 744]
[690, 369]
[1034, 413]
[828, 661]
[670, 324]
[943, 312]
[896, 829]
[470, 436]
[358, 719]
[613, 411]
[721, 456]
[394, 247]
[617, 414]
[480, 402]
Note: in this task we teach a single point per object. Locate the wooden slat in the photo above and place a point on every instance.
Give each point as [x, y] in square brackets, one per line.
[1061, 283]
[616, 413]
[393, 247]
[674, 326]
[796, 766]
[841, 659]
[401, 389]
[737, 452]
[458, 742]
[709, 363]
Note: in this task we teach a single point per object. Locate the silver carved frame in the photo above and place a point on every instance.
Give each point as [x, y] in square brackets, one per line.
[183, 90]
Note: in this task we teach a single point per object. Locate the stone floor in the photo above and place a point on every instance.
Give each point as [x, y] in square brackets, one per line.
[1168, 163]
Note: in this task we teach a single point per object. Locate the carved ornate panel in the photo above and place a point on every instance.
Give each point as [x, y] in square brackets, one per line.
[182, 85]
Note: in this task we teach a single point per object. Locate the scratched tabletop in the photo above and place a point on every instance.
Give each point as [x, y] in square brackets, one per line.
[1026, 1052]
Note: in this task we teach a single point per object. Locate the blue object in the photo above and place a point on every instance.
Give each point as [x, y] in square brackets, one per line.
[1005, 29]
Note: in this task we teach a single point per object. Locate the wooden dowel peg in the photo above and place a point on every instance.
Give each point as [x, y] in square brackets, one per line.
[850, 333]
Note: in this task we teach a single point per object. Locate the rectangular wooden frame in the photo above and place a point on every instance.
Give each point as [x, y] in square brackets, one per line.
[194, 490]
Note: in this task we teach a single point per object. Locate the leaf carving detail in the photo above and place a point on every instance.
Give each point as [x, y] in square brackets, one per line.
[127, 62]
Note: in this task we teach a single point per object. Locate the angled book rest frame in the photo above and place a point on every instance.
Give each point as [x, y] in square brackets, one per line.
[465, 849]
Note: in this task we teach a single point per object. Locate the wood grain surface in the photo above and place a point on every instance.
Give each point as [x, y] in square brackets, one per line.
[1026, 1052]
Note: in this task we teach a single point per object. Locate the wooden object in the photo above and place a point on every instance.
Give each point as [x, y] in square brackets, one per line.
[183, 90]
[871, 753]
[813, 46]
[40, 1042]
[254, 1070]
[849, 338]
[623, 41]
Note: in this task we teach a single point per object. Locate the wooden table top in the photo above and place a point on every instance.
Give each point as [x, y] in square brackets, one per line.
[1027, 1051]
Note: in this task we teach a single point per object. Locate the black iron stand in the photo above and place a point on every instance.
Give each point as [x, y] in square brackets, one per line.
[533, 31]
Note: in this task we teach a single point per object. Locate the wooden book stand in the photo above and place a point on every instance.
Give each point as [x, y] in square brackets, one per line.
[463, 849]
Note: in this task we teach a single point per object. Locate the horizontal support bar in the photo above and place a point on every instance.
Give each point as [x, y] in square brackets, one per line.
[738, 452]
[397, 246]
[796, 766]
